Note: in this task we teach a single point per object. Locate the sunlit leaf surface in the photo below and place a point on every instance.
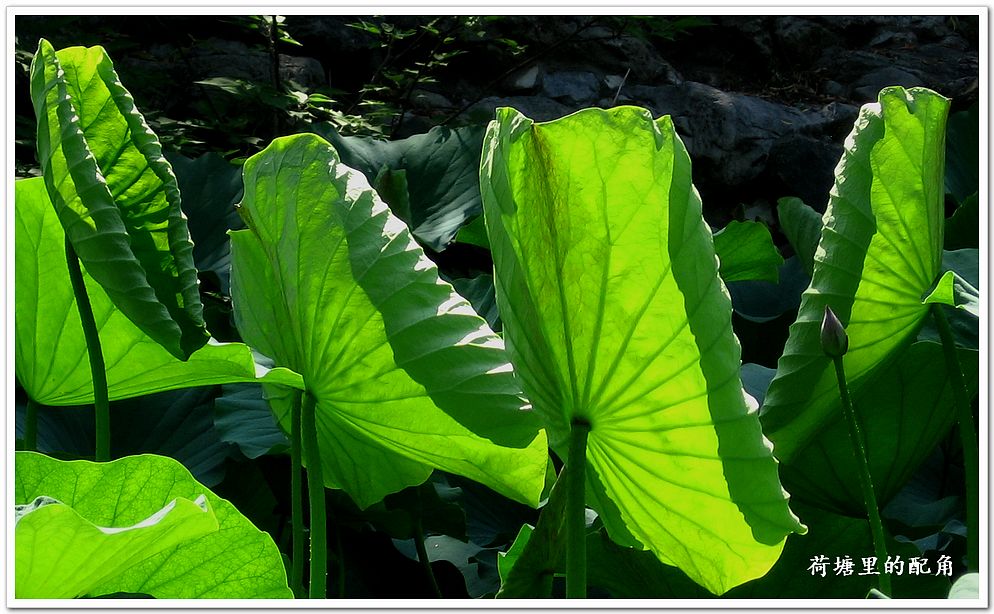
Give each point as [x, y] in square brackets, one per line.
[880, 253]
[614, 314]
[407, 377]
[197, 545]
[116, 195]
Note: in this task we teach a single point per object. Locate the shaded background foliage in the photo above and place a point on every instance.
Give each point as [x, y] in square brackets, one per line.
[762, 103]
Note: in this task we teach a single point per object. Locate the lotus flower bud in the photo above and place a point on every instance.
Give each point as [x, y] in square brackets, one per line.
[834, 340]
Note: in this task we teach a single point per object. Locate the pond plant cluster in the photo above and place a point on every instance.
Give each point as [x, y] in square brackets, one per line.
[269, 381]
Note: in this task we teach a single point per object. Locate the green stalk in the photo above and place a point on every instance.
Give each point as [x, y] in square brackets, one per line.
[98, 373]
[968, 437]
[576, 538]
[315, 492]
[31, 427]
[863, 473]
[419, 545]
[296, 502]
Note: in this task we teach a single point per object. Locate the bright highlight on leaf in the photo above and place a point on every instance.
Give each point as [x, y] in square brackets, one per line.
[116, 195]
[614, 314]
[407, 377]
[140, 524]
[880, 253]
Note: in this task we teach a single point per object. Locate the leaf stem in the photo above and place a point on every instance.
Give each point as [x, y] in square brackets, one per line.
[968, 436]
[576, 538]
[419, 545]
[315, 492]
[31, 426]
[296, 502]
[863, 473]
[98, 373]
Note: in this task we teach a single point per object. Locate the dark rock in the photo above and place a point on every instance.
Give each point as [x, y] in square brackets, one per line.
[868, 86]
[425, 100]
[736, 140]
[800, 41]
[804, 166]
[834, 89]
[526, 79]
[892, 38]
[225, 58]
[539, 108]
[645, 63]
[571, 86]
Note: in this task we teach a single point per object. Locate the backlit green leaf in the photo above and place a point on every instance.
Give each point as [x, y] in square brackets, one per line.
[61, 555]
[614, 313]
[116, 195]
[235, 561]
[49, 348]
[327, 282]
[880, 252]
[746, 252]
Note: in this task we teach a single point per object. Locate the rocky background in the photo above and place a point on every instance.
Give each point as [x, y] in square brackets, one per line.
[763, 103]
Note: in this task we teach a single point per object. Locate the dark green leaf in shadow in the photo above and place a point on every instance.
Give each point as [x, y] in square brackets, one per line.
[479, 291]
[406, 375]
[963, 226]
[965, 263]
[630, 573]
[802, 225]
[210, 186]
[963, 153]
[953, 290]
[756, 380]
[836, 537]
[242, 417]
[763, 301]
[959, 282]
[745, 251]
[474, 233]
[491, 519]
[115, 194]
[441, 173]
[905, 409]
[539, 552]
[392, 187]
[176, 424]
[929, 510]
[476, 564]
